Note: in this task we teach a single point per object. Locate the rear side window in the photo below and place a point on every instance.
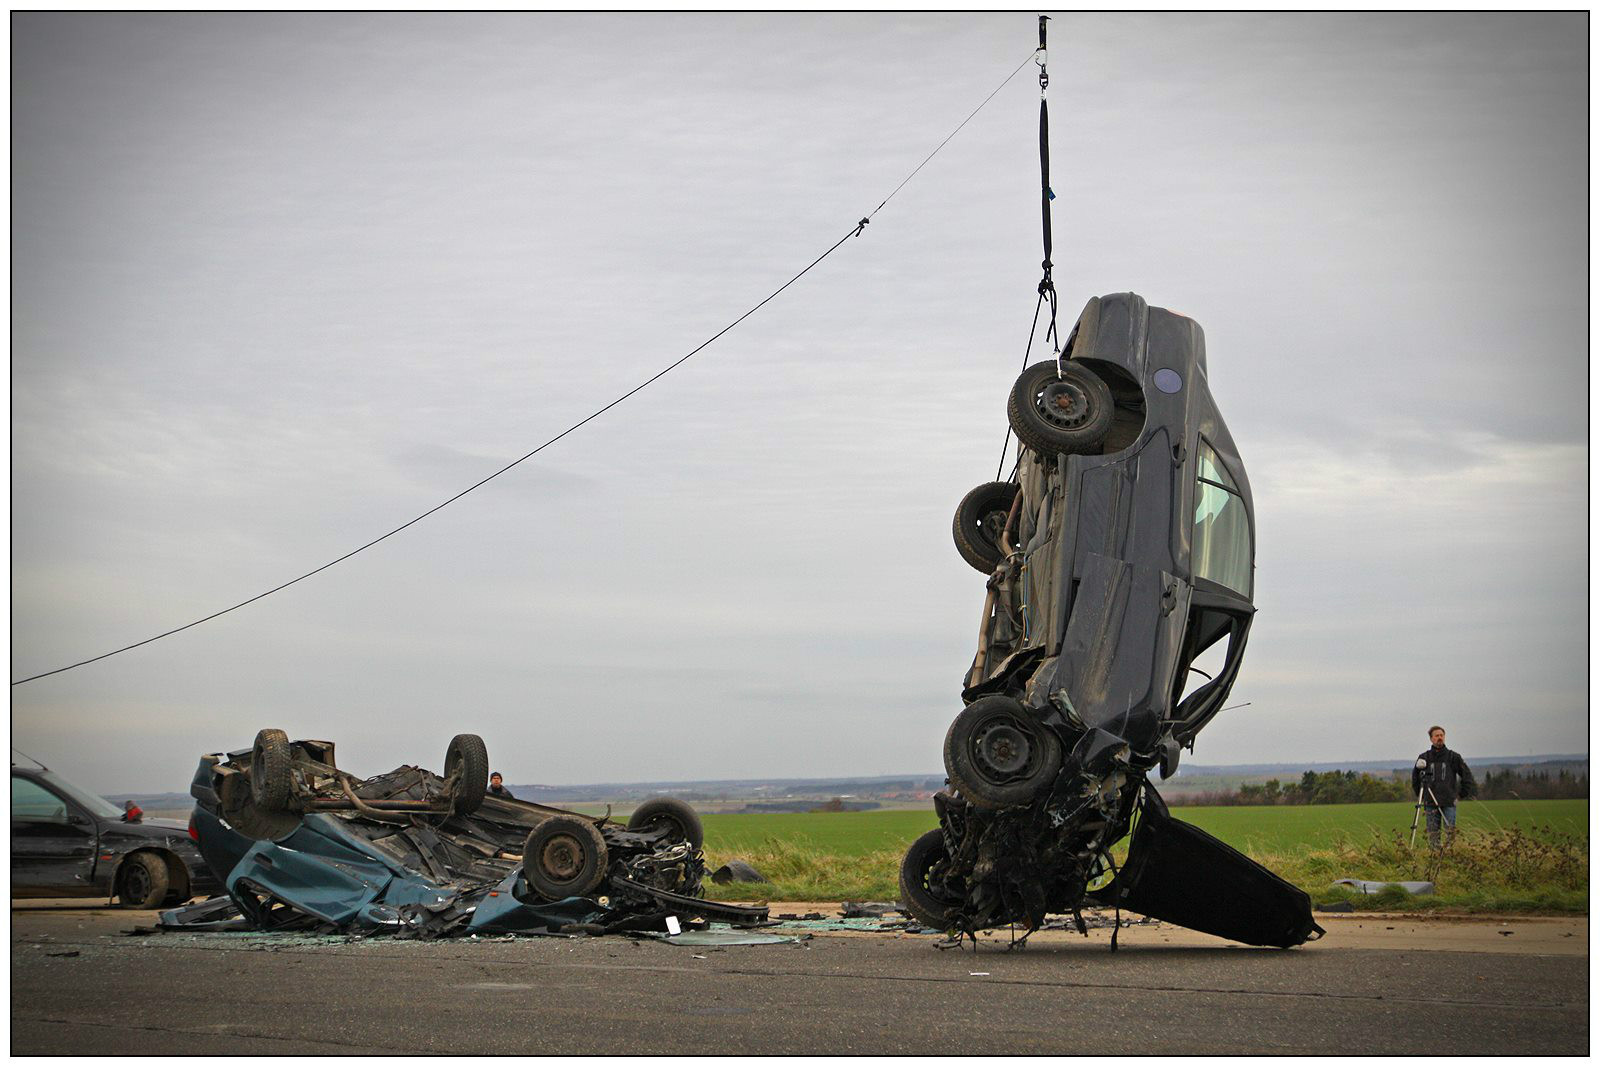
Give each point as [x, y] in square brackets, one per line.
[1221, 547]
[31, 802]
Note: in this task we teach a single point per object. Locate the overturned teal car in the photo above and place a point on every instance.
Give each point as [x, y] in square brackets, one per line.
[303, 845]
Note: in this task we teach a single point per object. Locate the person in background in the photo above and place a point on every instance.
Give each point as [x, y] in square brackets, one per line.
[497, 788]
[1440, 776]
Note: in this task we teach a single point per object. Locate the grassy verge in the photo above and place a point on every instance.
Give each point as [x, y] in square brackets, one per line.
[1486, 870]
[1499, 870]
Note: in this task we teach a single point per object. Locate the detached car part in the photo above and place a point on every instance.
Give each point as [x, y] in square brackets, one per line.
[1121, 549]
[301, 844]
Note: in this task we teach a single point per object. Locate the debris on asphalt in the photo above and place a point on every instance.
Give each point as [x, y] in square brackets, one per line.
[869, 909]
[720, 937]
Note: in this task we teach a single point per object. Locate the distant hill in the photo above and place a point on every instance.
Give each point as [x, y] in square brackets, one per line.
[1545, 762]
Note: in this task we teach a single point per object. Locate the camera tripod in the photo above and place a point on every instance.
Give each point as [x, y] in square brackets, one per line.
[1416, 816]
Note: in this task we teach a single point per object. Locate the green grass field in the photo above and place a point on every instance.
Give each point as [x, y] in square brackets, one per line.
[1249, 829]
[1512, 854]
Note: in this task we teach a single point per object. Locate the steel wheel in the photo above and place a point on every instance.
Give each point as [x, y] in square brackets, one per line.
[998, 755]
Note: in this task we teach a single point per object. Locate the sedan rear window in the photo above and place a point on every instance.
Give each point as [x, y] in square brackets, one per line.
[1221, 550]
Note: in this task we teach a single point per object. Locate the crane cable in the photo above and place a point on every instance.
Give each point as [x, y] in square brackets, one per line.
[1047, 285]
[855, 231]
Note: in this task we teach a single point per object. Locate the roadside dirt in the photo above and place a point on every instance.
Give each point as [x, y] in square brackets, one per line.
[35, 920]
[1514, 935]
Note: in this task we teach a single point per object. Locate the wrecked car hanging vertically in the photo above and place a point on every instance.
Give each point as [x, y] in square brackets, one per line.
[1120, 550]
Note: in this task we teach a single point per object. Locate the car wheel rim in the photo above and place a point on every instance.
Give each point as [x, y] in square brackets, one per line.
[1004, 751]
[562, 859]
[1063, 404]
[137, 883]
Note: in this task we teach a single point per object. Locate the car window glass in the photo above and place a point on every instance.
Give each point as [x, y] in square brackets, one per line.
[95, 803]
[1221, 547]
[32, 802]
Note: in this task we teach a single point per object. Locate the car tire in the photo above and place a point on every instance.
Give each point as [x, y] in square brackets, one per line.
[677, 814]
[143, 881]
[924, 902]
[1060, 408]
[997, 755]
[564, 856]
[271, 780]
[470, 756]
[980, 523]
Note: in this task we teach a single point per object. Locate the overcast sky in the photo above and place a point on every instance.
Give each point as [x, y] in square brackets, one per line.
[282, 282]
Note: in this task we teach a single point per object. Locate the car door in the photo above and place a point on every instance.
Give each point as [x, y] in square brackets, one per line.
[52, 842]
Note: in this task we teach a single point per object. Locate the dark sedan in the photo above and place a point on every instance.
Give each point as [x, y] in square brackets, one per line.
[68, 842]
[1121, 549]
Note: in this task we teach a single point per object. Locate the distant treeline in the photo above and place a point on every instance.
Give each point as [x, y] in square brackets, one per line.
[1533, 785]
[1349, 787]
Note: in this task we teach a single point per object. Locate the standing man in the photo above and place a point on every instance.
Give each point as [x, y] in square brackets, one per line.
[497, 788]
[1440, 776]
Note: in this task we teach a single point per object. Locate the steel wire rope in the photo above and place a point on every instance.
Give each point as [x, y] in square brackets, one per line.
[1026, 352]
[855, 231]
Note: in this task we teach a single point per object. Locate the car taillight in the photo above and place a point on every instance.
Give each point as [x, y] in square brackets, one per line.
[194, 831]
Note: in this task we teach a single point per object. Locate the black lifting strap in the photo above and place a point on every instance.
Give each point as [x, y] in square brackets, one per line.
[1047, 286]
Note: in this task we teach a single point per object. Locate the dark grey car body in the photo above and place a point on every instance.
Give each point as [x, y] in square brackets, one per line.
[1120, 604]
[76, 847]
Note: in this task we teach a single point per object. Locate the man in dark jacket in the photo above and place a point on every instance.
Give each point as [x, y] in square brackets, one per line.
[1440, 776]
[497, 787]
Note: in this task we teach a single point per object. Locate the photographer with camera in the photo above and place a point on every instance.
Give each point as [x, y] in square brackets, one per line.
[1439, 777]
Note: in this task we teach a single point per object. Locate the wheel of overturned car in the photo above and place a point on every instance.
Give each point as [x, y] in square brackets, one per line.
[924, 886]
[680, 820]
[980, 524]
[142, 881]
[270, 778]
[997, 755]
[467, 759]
[1060, 408]
[565, 856]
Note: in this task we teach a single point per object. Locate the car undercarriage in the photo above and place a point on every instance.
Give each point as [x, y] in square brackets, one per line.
[302, 845]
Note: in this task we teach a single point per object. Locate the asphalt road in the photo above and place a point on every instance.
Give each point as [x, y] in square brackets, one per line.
[81, 985]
